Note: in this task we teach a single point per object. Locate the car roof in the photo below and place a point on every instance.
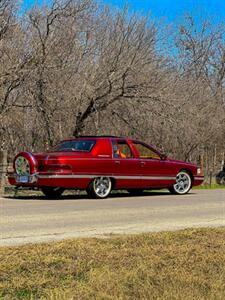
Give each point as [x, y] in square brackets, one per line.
[97, 137]
[108, 137]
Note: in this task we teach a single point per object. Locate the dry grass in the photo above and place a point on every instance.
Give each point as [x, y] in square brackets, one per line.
[188, 264]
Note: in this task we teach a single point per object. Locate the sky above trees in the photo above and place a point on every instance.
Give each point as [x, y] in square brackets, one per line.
[171, 10]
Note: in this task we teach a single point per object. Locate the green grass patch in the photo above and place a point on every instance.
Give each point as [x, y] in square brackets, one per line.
[188, 264]
[213, 186]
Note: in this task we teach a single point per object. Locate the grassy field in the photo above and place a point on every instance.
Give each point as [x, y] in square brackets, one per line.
[187, 264]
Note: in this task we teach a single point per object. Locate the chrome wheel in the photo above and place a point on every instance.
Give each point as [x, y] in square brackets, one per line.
[100, 187]
[183, 183]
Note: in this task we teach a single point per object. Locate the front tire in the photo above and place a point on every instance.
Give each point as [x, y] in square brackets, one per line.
[100, 188]
[183, 184]
[52, 192]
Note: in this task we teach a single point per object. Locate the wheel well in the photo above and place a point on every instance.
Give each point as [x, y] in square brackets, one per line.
[113, 182]
[189, 172]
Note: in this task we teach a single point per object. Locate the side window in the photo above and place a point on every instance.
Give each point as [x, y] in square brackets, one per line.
[145, 152]
[121, 149]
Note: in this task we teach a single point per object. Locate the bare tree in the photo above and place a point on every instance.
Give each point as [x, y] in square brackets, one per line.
[51, 52]
[75, 67]
[12, 61]
[120, 65]
[202, 50]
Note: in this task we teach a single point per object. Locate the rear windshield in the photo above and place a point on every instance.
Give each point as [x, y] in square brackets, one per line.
[76, 145]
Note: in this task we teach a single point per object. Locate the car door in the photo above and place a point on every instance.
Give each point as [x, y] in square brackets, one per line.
[125, 166]
[153, 168]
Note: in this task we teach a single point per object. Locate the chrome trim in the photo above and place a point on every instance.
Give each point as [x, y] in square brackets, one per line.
[14, 175]
[146, 177]
[87, 176]
[83, 158]
[91, 176]
[199, 178]
[68, 176]
[33, 158]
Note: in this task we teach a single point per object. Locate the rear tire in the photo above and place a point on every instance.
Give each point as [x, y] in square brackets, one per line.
[52, 192]
[183, 184]
[100, 188]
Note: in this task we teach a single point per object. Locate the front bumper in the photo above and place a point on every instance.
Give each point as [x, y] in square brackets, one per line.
[198, 180]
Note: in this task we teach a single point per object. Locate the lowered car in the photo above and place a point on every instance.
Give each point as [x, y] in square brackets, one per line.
[102, 164]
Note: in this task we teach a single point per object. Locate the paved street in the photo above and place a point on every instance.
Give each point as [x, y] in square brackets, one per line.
[34, 219]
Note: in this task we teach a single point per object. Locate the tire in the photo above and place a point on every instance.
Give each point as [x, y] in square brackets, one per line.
[52, 192]
[183, 184]
[136, 192]
[100, 188]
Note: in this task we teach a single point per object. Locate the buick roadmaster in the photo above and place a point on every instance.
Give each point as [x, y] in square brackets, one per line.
[100, 165]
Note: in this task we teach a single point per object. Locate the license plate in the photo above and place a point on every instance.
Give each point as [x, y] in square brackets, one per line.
[23, 179]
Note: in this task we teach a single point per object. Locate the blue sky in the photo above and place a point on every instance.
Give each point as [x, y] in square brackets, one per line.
[171, 10]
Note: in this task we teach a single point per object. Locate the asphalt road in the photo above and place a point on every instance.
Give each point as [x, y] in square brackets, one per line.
[34, 219]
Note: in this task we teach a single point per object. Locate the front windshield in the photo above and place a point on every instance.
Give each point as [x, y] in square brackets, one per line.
[74, 145]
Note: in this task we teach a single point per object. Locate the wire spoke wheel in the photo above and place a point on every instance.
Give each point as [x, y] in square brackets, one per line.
[22, 166]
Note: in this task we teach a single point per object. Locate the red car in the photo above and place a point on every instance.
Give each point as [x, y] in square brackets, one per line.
[101, 164]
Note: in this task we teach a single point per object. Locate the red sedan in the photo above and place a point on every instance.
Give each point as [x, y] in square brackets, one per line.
[102, 164]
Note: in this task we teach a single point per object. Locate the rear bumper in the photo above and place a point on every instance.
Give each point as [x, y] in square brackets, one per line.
[39, 180]
[15, 179]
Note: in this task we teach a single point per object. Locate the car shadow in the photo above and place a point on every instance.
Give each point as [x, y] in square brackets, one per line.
[83, 196]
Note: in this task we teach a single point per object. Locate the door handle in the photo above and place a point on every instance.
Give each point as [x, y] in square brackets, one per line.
[143, 163]
[117, 162]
